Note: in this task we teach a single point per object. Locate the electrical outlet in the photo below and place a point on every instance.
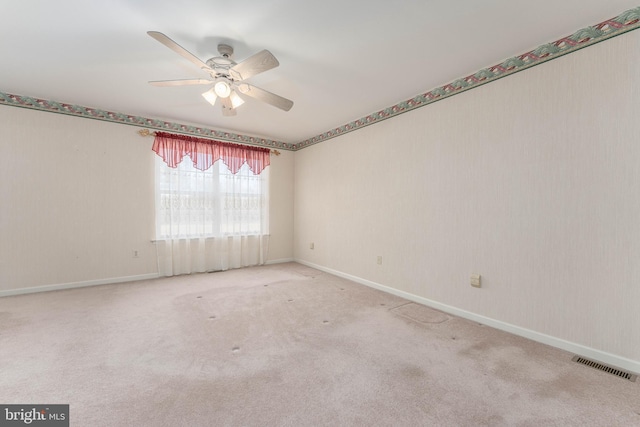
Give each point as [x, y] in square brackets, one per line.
[475, 280]
[136, 254]
[379, 260]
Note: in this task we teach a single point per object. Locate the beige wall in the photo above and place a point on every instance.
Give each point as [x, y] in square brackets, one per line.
[532, 181]
[281, 207]
[77, 200]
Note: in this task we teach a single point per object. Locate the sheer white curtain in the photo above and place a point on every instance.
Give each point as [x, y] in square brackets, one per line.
[210, 220]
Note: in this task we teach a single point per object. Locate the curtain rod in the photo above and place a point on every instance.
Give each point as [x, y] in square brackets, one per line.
[147, 132]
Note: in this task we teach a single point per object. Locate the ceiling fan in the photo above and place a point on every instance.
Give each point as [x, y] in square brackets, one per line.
[227, 76]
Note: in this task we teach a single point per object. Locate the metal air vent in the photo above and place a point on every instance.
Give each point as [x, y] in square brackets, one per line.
[602, 367]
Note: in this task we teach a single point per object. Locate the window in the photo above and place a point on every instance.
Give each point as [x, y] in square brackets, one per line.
[212, 204]
[191, 203]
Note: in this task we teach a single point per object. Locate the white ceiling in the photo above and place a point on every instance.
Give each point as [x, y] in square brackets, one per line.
[340, 60]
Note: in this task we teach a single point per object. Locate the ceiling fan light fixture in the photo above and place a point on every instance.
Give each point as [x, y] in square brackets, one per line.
[210, 96]
[222, 88]
[236, 101]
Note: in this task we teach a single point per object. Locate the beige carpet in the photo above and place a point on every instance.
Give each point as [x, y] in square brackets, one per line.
[286, 345]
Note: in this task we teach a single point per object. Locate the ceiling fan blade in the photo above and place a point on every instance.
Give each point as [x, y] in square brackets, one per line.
[265, 96]
[227, 107]
[182, 82]
[178, 49]
[256, 64]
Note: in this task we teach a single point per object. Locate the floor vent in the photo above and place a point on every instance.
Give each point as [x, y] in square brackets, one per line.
[597, 365]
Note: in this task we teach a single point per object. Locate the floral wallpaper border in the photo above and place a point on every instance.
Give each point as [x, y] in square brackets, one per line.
[627, 21]
[109, 116]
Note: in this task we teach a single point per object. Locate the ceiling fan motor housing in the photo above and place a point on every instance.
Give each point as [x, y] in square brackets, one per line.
[221, 64]
[225, 50]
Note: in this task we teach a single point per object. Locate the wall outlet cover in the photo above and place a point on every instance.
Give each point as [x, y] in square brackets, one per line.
[475, 280]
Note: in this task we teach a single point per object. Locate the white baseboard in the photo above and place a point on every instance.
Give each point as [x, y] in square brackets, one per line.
[279, 261]
[587, 352]
[82, 284]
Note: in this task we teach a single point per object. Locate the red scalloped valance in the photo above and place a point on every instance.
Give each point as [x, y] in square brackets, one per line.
[205, 152]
